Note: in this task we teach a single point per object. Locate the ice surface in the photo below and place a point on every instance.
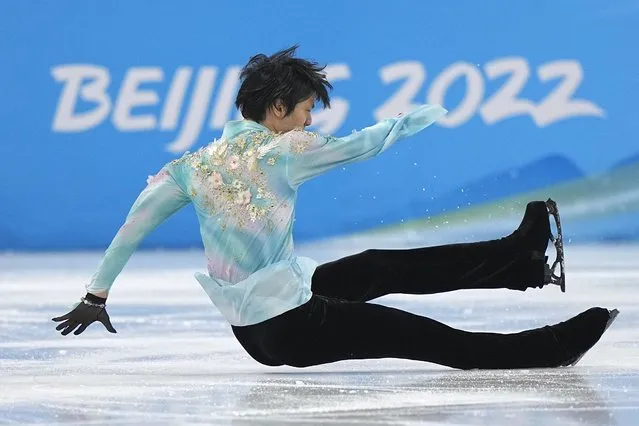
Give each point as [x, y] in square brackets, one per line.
[174, 360]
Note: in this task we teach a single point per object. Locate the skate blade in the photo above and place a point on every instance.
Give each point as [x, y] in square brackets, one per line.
[613, 316]
[558, 242]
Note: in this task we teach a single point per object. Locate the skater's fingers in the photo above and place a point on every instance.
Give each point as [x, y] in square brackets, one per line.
[64, 324]
[81, 328]
[70, 328]
[106, 321]
[62, 318]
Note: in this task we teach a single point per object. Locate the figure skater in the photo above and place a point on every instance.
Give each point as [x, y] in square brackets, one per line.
[288, 310]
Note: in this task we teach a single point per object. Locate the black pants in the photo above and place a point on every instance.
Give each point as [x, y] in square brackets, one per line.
[338, 323]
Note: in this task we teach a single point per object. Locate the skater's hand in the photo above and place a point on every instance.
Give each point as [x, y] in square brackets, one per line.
[90, 309]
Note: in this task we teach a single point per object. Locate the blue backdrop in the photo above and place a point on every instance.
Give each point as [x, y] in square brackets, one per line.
[542, 99]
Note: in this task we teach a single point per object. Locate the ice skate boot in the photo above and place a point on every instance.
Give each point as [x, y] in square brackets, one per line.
[534, 232]
[577, 335]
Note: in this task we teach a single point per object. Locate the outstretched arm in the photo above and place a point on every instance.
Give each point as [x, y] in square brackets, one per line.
[312, 154]
[160, 199]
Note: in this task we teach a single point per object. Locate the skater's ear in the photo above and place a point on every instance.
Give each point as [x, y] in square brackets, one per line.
[278, 108]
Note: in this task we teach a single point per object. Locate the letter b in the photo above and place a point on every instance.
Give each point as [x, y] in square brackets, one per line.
[76, 86]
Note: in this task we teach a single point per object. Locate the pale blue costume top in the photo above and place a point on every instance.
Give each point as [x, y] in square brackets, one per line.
[244, 188]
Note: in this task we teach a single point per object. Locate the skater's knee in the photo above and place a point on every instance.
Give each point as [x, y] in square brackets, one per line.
[266, 361]
[299, 363]
[371, 253]
[260, 356]
[369, 260]
[289, 351]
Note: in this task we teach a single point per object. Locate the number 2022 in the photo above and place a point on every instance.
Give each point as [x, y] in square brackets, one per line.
[504, 103]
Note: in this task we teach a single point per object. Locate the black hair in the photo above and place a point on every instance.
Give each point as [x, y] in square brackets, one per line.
[266, 79]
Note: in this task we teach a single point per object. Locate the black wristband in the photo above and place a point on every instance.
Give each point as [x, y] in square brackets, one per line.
[95, 299]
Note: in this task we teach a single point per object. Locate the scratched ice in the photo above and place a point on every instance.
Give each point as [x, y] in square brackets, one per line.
[174, 359]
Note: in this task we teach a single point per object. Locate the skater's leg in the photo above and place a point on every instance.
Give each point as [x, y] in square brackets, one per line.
[374, 273]
[515, 262]
[325, 331]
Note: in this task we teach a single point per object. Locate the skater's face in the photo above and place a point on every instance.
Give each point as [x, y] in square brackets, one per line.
[299, 118]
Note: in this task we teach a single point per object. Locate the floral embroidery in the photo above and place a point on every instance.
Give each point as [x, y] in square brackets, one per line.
[261, 193]
[234, 162]
[299, 140]
[216, 180]
[243, 198]
[228, 179]
[217, 151]
[230, 176]
[154, 180]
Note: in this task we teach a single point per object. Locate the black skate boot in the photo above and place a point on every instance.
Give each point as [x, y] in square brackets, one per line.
[577, 335]
[534, 232]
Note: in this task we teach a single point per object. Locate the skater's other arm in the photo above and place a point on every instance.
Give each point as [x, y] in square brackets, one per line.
[312, 154]
[160, 199]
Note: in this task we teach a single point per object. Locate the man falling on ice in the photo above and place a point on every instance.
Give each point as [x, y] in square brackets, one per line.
[288, 310]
